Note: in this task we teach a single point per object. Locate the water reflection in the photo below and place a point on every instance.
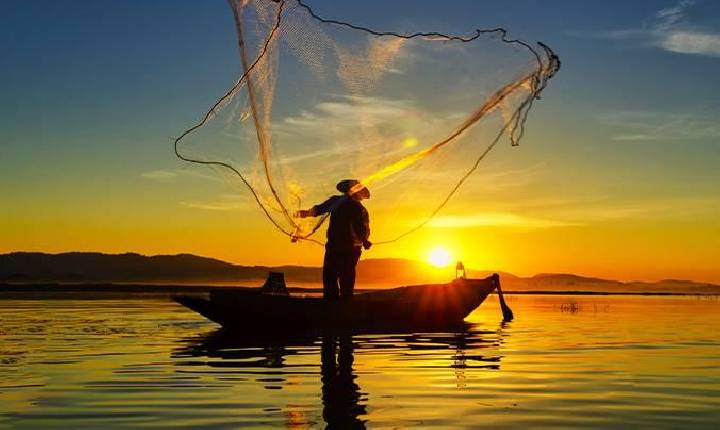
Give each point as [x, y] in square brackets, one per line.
[226, 349]
[272, 360]
[341, 396]
[143, 364]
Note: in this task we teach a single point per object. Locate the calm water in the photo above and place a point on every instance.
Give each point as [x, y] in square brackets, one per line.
[573, 361]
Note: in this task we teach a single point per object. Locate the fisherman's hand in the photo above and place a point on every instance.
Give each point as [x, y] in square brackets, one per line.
[302, 214]
[367, 244]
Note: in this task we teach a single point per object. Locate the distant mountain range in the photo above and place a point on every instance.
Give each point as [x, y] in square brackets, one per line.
[90, 267]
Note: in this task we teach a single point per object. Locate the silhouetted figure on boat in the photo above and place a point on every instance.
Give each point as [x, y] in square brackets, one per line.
[347, 235]
[341, 396]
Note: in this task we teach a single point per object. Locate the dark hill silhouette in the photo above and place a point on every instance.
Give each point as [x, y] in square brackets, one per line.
[94, 267]
[569, 281]
[130, 267]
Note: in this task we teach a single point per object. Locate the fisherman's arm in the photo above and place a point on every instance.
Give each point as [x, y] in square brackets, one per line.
[317, 210]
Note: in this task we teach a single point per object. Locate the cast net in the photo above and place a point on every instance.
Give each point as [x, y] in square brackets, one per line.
[409, 115]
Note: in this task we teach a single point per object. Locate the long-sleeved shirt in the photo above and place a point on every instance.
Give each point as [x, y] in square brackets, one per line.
[349, 222]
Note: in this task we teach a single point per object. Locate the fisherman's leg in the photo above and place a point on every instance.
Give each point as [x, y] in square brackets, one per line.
[347, 273]
[330, 276]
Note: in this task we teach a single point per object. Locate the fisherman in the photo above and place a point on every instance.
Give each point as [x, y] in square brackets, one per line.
[347, 234]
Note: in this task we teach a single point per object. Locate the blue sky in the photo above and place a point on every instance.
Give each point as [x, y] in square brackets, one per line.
[105, 65]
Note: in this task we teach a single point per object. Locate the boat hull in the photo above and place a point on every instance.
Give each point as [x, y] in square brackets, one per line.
[418, 306]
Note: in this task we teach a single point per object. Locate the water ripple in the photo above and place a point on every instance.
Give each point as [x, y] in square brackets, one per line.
[613, 362]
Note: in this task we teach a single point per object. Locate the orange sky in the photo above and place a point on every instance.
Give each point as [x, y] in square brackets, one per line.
[677, 239]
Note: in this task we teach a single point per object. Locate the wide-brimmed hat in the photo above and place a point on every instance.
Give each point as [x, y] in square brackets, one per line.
[346, 186]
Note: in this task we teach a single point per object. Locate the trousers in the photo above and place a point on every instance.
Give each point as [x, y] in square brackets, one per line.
[339, 272]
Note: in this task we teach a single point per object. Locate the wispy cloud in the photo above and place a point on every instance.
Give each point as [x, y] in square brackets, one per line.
[496, 219]
[160, 175]
[653, 125]
[553, 213]
[611, 211]
[503, 178]
[348, 112]
[674, 15]
[173, 175]
[361, 128]
[671, 30]
[224, 202]
[687, 42]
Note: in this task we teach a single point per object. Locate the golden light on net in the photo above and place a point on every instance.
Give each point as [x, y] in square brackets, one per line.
[410, 142]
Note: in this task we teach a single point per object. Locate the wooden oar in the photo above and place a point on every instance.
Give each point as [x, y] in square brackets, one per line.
[506, 311]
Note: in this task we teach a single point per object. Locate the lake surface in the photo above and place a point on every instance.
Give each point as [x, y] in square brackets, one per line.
[565, 362]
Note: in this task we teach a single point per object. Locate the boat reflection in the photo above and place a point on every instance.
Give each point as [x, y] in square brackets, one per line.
[344, 403]
[225, 349]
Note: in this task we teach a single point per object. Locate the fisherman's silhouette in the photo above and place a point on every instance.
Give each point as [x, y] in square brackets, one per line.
[347, 235]
[340, 393]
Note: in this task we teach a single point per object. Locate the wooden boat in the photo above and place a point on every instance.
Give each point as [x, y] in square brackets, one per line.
[418, 306]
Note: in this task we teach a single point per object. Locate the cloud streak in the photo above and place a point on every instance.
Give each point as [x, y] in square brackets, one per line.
[225, 202]
[496, 219]
[347, 111]
[671, 30]
[546, 214]
[686, 42]
[160, 175]
[177, 174]
[639, 126]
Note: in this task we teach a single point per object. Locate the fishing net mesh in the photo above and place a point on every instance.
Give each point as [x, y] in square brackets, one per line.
[409, 115]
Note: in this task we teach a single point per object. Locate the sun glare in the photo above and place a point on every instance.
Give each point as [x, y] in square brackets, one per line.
[439, 257]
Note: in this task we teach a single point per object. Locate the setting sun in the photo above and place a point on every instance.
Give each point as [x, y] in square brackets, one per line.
[439, 257]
